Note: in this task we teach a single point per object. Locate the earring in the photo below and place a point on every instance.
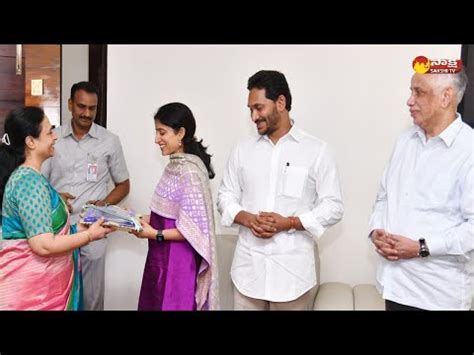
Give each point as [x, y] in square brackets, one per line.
[180, 143]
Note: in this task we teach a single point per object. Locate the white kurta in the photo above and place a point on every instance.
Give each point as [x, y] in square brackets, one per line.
[295, 177]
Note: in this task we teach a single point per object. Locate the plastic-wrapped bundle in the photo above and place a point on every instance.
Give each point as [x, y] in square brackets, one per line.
[114, 216]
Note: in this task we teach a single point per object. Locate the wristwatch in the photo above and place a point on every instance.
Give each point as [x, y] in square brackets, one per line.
[159, 236]
[424, 251]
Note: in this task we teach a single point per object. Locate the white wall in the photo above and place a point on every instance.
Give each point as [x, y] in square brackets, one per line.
[74, 68]
[354, 97]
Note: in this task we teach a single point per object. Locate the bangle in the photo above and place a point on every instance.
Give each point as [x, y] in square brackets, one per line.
[293, 223]
[89, 236]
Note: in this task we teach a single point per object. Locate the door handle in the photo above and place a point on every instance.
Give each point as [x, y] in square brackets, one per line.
[18, 64]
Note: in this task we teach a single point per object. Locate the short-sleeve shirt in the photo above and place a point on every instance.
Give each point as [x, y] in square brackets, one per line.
[67, 169]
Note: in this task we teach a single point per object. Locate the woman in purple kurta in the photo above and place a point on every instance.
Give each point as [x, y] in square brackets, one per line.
[169, 279]
[180, 269]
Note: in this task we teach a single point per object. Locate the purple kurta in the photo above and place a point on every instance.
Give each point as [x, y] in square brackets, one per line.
[169, 279]
[175, 269]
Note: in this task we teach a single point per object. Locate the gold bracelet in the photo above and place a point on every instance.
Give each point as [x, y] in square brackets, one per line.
[89, 236]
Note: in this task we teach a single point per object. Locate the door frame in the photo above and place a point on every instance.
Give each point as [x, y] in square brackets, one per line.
[98, 76]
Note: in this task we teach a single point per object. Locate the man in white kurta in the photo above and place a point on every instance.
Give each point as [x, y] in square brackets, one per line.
[282, 188]
[422, 224]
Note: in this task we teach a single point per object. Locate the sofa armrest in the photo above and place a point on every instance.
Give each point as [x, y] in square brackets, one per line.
[367, 298]
[334, 296]
[225, 254]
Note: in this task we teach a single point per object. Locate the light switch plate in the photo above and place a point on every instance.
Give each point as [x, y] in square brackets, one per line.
[37, 87]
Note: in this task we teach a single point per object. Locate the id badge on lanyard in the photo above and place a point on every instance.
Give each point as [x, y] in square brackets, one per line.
[92, 168]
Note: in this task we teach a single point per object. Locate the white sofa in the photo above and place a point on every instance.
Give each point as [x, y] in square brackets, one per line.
[327, 296]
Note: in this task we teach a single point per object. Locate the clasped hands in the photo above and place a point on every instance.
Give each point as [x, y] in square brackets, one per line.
[267, 224]
[393, 246]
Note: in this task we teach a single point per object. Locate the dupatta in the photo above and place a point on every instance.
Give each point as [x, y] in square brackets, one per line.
[184, 194]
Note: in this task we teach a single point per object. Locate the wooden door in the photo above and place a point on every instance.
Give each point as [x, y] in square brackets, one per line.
[39, 62]
[43, 62]
[12, 86]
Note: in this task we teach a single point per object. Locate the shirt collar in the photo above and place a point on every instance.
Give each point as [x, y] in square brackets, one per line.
[93, 131]
[294, 132]
[450, 132]
[448, 135]
[67, 130]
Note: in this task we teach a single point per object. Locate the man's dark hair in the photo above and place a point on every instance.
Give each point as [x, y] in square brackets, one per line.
[274, 83]
[87, 86]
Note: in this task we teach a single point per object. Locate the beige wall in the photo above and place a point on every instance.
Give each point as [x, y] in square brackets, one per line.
[74, 68]
[354, 97]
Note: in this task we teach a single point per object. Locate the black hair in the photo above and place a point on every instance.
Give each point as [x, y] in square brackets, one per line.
[274, 83]
[177, 115]
[87, 86]
[19, 124]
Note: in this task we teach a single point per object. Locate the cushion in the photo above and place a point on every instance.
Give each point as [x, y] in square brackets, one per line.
[367, 298]
[334, 296]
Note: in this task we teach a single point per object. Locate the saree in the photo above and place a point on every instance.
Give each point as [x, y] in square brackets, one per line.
[28, 281]
[176, 269]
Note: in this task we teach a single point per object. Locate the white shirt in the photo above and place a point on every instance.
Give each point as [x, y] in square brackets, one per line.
[295, 177]
[427, 192]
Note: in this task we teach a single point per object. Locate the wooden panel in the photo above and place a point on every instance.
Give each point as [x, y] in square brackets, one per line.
[7, 65]
[42, 56]
[44, 62]
[98, 76]
[2, 122]
[50, 95]
[5, 108]
[12, 86]
[8, 50]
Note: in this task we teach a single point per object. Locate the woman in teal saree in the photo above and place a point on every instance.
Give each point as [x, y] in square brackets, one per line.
[39, 255]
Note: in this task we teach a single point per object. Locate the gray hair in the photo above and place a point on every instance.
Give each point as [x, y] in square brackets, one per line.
[458, 81]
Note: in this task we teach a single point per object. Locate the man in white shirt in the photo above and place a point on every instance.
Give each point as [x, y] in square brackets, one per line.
[282, 188]
[423, 219]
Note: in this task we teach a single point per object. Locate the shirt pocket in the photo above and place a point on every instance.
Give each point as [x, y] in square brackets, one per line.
[442, 193]
[62, 164]
[294, 181]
